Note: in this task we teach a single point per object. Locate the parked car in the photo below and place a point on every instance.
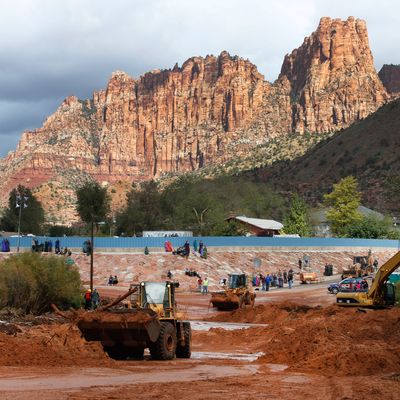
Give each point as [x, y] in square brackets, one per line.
[346, 285]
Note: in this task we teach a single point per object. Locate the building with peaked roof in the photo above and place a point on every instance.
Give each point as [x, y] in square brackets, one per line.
[321, 225]
[257, 226]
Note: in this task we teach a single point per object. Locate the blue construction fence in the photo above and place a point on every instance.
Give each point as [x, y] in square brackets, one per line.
[209, 241]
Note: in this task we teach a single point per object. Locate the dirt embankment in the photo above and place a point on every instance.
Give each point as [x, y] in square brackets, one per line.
[327, 341]
[48, 346]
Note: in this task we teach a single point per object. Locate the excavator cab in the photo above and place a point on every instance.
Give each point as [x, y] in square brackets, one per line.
[389, 294]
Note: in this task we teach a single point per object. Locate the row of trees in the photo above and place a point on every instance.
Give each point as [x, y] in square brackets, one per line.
[203, 206]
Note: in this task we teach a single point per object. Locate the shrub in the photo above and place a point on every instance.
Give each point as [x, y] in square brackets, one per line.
[31, 282]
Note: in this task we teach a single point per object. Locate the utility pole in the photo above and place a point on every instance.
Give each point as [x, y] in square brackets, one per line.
[20, 202]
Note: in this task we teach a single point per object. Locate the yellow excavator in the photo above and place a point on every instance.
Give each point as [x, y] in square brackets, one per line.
[381, 292]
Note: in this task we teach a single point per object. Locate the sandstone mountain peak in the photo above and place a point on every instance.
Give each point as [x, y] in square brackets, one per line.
[208, 111]
[332, 64]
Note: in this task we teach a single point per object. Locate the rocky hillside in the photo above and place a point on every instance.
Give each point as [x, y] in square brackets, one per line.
[390, 77]
[209, 111]
[367, 150]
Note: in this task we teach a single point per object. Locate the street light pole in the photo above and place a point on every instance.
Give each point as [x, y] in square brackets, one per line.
[21, 203]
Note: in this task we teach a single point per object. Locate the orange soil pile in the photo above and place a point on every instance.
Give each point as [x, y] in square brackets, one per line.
[50, 345]
[227, 297]
[138, 316]
[329, 340]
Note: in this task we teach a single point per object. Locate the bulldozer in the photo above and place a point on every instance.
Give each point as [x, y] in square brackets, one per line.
[308, 277]
[148, 319]
[380, 294]
[236, 295]
[362, 266]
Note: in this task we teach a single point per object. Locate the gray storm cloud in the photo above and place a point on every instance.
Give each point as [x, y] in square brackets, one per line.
[50, 50]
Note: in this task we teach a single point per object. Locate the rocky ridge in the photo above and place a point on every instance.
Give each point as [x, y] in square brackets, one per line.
[208, 111]
[390, 77]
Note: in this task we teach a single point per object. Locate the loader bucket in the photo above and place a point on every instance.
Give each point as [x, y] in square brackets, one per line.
[129, 328]
[225, 302]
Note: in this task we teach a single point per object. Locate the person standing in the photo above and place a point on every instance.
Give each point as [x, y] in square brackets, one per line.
[187, 249]
[205, 286]
[267, 282]
[95, 299]
[57, 246]
[200, 284]
[290, 278]
[88, 299]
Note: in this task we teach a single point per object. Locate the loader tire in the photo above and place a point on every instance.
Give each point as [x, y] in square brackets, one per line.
[164, 348]
[184, 351]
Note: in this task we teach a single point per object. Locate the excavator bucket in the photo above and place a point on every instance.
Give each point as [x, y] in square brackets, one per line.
[129, 328]
[225, 301]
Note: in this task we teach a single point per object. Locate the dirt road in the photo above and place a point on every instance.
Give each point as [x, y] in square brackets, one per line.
[299, 346]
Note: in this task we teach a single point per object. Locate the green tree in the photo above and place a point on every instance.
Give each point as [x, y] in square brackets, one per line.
[343, 201]
[142, 211]
[93, 205]
[31, 283]
[32, 213]
[297, 221]
[370, 227]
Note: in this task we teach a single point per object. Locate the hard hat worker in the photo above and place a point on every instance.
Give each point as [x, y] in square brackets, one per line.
[205, 286]
[88, 299]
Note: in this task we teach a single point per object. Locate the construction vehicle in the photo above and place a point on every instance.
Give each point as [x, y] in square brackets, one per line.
[308, 277]
[381, 292]
[352, 271]
[236, 295]
[149, 319]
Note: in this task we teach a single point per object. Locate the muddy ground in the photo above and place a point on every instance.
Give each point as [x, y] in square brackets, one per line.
[298, 345]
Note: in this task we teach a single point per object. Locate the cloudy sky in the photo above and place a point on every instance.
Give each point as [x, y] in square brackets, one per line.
[51, 49]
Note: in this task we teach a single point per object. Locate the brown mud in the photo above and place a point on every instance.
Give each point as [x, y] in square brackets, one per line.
[305, 351]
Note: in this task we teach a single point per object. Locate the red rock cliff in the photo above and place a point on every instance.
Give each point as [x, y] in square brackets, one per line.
[332, 77]
[209, 110]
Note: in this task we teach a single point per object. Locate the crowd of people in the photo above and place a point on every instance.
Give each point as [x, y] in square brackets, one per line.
[184, 250]
[47, 247]
[276, 279]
